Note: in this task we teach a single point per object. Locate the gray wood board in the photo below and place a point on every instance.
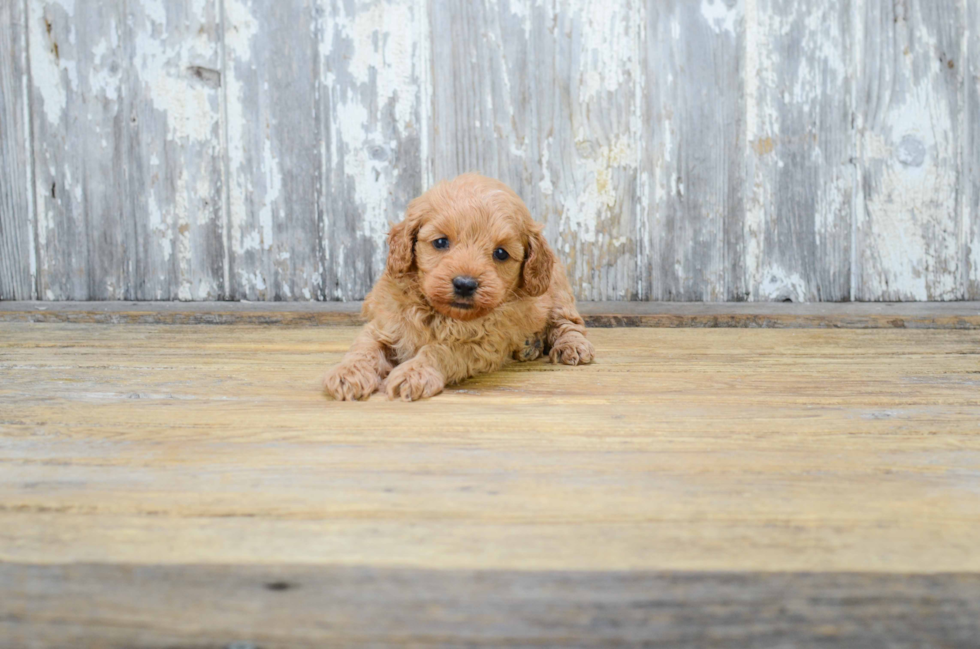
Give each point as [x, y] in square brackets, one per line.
[130, 606]
[720, 150]
[910, 99]
[127, 149]
[17, 261]
[270, 85]
[546, 97]
[690, 233]
[971, 155]
[372, 115]
[799, 138]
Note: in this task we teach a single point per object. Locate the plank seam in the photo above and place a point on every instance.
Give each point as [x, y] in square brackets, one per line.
[856, 193]
[750, 79]
[966, 129]
[131, 263]
[226, 292]
[28, 86]
[639, 82]
[426, 92]
[320, 173]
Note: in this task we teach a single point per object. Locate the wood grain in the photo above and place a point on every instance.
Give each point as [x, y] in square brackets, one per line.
[174, 159]
[909, 101]
[126, 123]
[270, 65]
[689, 236]
[315, 606]
[546, 97]
[799, 150]
[712, 150]
[372, 103]
[170, 486]
[17, 260]
[81, 136]
[971, 152]
[808, 450]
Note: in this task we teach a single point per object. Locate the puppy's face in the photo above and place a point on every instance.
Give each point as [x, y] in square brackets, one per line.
[469, 261]
[473, 247]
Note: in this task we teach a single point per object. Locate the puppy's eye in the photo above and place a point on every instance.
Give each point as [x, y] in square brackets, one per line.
[441, 243]
[501, 255]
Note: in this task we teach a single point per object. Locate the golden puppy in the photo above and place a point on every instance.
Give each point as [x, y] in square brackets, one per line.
[469, 282]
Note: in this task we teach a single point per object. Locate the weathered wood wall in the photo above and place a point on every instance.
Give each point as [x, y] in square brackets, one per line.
[676, 149]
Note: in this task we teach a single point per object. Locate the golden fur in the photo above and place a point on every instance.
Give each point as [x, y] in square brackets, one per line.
[421, 336]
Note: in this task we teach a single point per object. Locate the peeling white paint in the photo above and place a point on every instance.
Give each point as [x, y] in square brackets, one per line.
[159, 227]
[909, 249]
[597, 198]
[240, 29]
[606, 47]
[424, 67]
[383, 68]
[779, 285]
[163, 64]
[793, 86]
[755, 212]
[721, 15]
[392, 60]
[546, 186]
[250, 241]
[49, 71]
[273, 185]
[912, 235]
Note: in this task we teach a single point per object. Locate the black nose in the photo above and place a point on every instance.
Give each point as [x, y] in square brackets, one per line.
[465, 286]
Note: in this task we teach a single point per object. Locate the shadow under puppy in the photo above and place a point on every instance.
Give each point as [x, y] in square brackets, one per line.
[469, 282]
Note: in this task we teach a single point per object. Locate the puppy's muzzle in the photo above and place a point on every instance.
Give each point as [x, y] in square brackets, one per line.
[465, 286]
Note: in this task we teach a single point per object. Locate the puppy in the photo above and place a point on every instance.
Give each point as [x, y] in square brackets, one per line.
[469, 283]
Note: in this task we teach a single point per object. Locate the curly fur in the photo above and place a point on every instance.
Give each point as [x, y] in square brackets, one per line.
[421, 336]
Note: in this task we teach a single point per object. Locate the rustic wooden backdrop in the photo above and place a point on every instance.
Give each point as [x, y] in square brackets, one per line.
[676, 149]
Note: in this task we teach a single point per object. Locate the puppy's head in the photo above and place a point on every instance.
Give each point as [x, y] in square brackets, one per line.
[473, 246]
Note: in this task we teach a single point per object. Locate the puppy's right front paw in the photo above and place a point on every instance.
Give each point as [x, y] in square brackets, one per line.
[351, 382]
[572, 349]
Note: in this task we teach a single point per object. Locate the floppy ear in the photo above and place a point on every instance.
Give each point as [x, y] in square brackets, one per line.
[401, 239]
[538, 263]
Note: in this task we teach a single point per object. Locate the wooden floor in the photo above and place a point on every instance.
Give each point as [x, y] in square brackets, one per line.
[184, 485]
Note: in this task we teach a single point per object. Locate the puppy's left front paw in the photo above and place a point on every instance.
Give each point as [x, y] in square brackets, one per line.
[572, 349]
[414, 380]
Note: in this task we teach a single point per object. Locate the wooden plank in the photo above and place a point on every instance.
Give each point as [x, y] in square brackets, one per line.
[867, 315]
[483, 72]
[807, 450]
[909, 99]
[800, 150]
[971, 152]
[689, 234]
[175, 158]
[17, 254]
[128, 162]
[303, 606]
[271, 72]
[372, 105]
[693, 151]
[80, 133]
[546, 97]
